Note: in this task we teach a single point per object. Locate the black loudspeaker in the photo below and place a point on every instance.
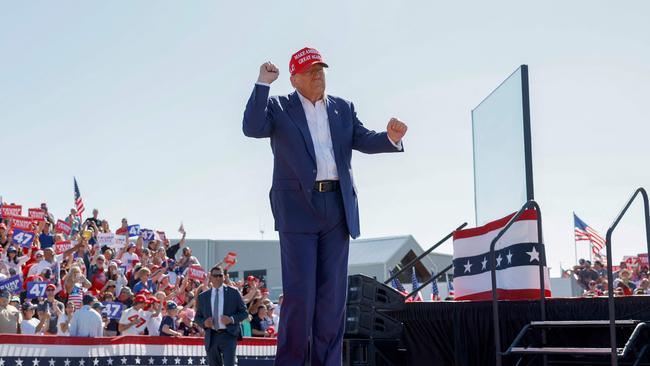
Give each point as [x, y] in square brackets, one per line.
[366, 322]
[366, 352]
[366, 291]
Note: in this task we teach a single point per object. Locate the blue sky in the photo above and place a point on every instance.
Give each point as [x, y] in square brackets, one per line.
[142, 102]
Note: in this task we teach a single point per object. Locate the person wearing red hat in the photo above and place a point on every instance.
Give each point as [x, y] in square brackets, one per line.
[313, 199]
[134, 320]
[54, 307]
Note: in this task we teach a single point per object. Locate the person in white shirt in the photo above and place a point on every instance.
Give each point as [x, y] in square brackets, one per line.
[154, 314]
[31, 325]
[134, 320]
[86, 322]
[63, 326]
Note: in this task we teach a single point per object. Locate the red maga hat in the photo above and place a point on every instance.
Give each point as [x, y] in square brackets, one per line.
[301, 60]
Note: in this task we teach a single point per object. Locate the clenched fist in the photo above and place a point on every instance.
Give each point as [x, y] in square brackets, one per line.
[396, 129]
[268, 73]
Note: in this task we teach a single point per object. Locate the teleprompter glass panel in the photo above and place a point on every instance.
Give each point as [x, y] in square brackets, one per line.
[501, 142]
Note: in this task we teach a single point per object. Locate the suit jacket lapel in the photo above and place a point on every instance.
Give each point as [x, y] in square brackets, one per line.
[335, 127]
[297, 115]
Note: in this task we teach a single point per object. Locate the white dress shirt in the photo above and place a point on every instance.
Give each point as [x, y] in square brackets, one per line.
[86, 322]
[319, 129]
[217, 317]
[321, 137]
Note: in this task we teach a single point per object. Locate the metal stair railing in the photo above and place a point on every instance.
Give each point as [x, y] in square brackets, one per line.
[610, 274]
[493, 262]
[411, 263]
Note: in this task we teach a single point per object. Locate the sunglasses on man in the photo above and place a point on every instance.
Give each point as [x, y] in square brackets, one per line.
[217, 275]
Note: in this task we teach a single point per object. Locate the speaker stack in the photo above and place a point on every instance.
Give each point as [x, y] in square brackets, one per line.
[372, 337]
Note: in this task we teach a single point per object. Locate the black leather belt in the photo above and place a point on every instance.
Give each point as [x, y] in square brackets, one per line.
[326, 185]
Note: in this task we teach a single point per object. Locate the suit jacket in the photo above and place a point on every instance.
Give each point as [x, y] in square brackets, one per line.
[282, 118]
[233, 305]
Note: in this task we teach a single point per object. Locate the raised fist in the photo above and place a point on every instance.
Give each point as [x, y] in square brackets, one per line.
[268, 73]
[396, 129]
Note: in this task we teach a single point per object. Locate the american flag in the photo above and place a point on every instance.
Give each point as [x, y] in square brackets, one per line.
[397, 285]
[415, 284]
[435, 294]
[450, 289]
[78, 201]
[585, 232]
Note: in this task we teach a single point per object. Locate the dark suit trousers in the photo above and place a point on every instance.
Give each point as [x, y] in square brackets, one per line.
[314, 281]
[222, 349]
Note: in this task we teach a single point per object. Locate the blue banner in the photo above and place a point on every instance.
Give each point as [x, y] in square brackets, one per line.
[113, 309]
[147, 235]
[134, 230]
[12, 284]
[36, 289]
[23, 238]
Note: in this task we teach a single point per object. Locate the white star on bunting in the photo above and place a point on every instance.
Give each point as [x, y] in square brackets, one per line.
[52, 362]
[95, 361]
[484, 263]
[150, 360]
[137, 360]
[534, 255]
[177, 361]
[123, 359]
[19, 362]
[66, 362]
[82, 362]
[35, 362]
[110, 361]
[468, 267]
[499, 259]
[189, 361]
[2, 362]
[164, 360]
[509, 256]
[202, 361]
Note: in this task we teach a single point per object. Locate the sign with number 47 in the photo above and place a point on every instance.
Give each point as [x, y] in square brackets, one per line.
[36, 289]
[23, 238]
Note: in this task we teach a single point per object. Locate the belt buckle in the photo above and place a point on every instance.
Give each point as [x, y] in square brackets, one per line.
[321, 186]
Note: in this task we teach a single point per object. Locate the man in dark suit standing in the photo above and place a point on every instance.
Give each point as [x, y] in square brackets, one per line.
[220, 310]
[313, 199]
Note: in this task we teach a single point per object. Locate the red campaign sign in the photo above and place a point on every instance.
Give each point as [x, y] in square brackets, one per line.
[631, 261]
[11, 210]
[643, 259]
[36, 214]
[196, 273]
[63, 227]
[230, 259]
[62, 246]
[24, 223]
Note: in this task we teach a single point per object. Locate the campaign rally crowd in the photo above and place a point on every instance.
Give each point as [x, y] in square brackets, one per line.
[81, 278]
[631, 277]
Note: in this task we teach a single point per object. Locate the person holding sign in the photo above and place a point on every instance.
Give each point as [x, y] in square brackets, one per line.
[313, 199]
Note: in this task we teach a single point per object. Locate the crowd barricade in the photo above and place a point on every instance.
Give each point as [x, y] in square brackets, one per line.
[31, 350]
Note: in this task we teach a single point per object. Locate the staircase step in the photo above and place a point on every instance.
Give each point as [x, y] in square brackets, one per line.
[583, 323]
[563, 350]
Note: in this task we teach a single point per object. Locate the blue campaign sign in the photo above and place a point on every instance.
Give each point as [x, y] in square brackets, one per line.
[134, 230]
[113, 309]
[23, 238]
[147, 235]
[36, 289]
[12, 284]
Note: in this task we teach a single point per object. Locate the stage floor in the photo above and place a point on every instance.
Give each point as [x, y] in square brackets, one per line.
[461, 333]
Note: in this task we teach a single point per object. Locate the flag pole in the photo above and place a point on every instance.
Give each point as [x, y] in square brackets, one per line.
[575, 242]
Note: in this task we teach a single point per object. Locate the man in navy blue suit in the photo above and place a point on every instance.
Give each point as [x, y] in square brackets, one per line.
[220, 310]
[314, 200]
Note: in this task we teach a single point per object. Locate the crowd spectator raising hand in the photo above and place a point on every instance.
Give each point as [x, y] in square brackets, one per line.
[75, 283]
